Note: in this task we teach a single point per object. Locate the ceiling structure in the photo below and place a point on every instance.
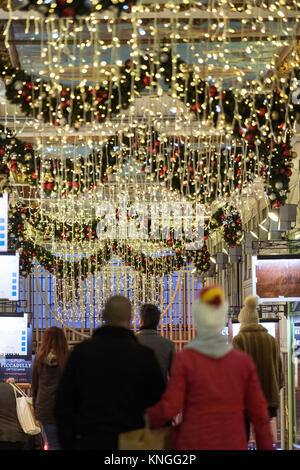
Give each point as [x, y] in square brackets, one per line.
[250, 44]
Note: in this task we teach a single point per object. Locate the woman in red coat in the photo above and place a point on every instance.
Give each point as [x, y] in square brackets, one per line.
[212, 385]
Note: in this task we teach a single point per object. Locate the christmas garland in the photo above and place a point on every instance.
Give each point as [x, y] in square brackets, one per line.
[85, 104]
[168, 162]
[206, 101]
[228, 221]
[75, 8]
[256, 123]
[75, 106]
[57, 265]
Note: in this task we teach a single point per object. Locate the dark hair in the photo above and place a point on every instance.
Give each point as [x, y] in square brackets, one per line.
[117, 310]
[53, 339]
[150, 316]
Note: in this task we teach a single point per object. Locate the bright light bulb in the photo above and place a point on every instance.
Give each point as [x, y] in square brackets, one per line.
[273, 216]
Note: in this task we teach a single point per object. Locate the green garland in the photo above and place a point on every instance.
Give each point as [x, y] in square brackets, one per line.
[229, 220]
[177, 258]
[85, 104]
[165, 162]
[76, 106]
[250, 124]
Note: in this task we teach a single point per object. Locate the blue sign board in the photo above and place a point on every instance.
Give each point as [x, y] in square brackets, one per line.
[15, 348]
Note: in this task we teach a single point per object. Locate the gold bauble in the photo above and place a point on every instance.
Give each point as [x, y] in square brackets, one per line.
[275, 115]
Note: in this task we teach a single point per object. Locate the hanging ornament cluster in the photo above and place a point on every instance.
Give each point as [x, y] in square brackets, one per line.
[229, 221]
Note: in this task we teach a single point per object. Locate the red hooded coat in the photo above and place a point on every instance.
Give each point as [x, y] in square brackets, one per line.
[212, 395]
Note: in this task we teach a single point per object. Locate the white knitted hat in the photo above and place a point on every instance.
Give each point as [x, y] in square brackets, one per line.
[210, 310]
[248, 313]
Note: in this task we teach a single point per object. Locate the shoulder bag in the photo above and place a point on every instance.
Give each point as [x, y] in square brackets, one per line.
[24, 412]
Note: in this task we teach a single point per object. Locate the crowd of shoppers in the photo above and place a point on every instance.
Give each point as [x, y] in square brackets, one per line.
[116, 381]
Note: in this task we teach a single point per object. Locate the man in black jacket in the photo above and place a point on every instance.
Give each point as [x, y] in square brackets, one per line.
[108, 382]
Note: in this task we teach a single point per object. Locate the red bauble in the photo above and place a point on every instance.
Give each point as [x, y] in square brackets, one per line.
[50, 186]
[213, 91]
[262, 111]
[69, 184]
[282, 170]
[196, 106]
[146, 81]
[67, 12]
[33, 176]
[277, 204]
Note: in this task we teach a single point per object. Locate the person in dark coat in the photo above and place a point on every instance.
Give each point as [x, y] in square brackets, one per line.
[164, 349]
[108, 382]
[12, 436]
[46, 374]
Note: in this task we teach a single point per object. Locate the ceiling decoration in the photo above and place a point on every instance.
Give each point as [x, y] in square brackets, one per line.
[148, 102]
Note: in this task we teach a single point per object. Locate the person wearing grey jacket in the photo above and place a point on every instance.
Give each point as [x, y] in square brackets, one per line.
[164, 349]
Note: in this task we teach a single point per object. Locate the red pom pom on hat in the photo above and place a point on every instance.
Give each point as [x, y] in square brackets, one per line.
[213, 295]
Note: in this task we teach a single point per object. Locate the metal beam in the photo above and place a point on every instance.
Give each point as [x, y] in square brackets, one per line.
[167, 14]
